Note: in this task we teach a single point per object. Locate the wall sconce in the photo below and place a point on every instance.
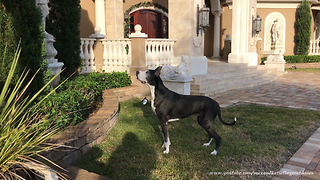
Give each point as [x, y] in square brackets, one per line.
[202, 18]
[257, 24]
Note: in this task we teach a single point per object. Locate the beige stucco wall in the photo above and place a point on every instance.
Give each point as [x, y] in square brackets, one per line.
[87, 22]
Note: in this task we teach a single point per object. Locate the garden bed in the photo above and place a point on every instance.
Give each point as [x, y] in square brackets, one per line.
[78, 139]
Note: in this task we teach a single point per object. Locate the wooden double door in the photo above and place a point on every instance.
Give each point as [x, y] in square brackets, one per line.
[154, 24]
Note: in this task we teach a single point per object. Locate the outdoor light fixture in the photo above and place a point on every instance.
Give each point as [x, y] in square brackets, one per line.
[257, 24]
[202, 18]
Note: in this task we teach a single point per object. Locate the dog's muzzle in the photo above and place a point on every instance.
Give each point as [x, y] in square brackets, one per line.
[137, 74]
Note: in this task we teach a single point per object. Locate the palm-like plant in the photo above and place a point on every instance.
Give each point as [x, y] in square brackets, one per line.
[22, 134]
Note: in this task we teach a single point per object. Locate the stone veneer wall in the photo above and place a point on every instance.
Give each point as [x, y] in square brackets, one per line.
[79, 139]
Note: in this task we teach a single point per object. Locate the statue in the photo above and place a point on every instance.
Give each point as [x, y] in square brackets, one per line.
[176, 73]
[274, 34]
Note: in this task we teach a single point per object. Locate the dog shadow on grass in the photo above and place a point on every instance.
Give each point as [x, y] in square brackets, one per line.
[132, 159]
[150, 116]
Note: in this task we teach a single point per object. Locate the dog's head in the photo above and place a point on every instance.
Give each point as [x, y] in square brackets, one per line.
[149, 77]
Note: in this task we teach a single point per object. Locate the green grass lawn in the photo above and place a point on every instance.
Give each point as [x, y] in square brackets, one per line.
[262, 140]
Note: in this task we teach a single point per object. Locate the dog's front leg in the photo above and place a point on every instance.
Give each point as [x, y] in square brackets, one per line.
[166, 143]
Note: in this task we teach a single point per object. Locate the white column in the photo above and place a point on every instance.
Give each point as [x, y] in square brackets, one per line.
[216, 36]
[100, 16]
[240, 33]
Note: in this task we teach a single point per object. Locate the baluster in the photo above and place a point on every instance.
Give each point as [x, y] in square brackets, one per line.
[86, 55]
[109, 55]
[105, 57]
[129, 56]
[162, 62]
[81, 49]
[154, 50]
[317, 44]
[91, 62]
[147, 53]
[166, 53]
[120, 54]
[171, 52]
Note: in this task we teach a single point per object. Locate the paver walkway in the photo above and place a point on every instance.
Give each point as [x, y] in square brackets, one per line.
[291, 90]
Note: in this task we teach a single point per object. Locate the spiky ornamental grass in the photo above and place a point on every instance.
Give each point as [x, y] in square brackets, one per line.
[22, 134]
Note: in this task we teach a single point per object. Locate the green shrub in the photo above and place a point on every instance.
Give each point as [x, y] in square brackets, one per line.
[298, 59]
[75, 99]
[303, 29]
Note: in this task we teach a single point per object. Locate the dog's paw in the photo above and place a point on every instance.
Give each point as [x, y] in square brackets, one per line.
[166, 152]
[206, 144]
[215, 152]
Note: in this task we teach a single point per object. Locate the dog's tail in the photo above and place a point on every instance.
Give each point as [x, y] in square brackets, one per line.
[229, 124]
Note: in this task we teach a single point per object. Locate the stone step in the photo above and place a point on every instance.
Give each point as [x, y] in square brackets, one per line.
[219, 89]
[222, 77]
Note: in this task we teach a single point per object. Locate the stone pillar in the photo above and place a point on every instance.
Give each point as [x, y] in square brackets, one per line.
[216, 36]
[138, 58]
[182, 27]
[114, 19]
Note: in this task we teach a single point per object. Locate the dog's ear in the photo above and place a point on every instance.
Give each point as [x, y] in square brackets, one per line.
[158, 71]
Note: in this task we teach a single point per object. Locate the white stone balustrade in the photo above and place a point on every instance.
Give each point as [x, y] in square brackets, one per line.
[314, 48]
[87, 55]
[116, 55]
[159, 52]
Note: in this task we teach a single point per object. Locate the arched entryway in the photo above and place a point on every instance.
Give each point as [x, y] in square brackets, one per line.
[153, 17]
[154, 23]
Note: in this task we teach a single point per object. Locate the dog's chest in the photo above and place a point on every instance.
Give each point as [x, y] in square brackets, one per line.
[152, 90]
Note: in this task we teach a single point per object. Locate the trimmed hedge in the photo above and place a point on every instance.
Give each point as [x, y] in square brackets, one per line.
[298, 59]
[63, 23]
[21, 21]
[78, 97]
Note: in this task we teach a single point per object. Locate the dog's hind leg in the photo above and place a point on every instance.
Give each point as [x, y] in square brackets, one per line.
[200, 121]
[217, 138]
[166, 143]
[208, 127]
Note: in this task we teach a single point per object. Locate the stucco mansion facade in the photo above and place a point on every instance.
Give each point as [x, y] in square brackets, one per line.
[230, 21]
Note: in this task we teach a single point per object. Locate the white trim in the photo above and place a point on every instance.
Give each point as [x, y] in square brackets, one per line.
[149, 8]
[315, 8]
[278, 5]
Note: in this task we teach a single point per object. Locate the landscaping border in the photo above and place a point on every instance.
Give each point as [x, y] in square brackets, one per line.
[79, 139]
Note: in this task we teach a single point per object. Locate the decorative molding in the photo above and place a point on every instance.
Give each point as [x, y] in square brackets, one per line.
[278, 5]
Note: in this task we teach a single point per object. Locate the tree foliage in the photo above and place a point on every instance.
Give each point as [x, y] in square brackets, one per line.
[63, 24]
[21, 20]
[303, 29]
